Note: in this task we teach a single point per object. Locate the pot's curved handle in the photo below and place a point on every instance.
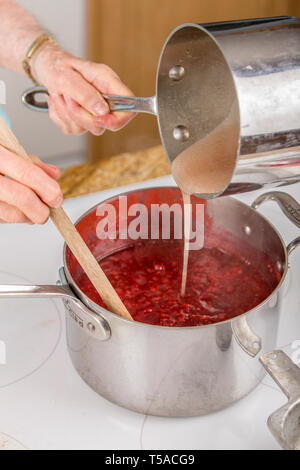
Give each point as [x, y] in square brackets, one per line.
[29, 98]
[289, 206]
[93, 324]
[244, 335]
[293, 245]
[246, 338]
[116, 103]
[131, 103]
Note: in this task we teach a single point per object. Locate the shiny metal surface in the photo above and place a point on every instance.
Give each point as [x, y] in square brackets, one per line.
[290, 208]
[177, 72]
[137, 105]
[293, 245]
[287, 203]
[246, 338]
[116, 103]
[94, 325]
[285, 422]
[270, 170]
[168, 371]
[185, 371]
[248, 70]
[264, 59]
[29, 98]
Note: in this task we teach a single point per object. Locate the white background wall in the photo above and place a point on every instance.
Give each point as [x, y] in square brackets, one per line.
[65, 20]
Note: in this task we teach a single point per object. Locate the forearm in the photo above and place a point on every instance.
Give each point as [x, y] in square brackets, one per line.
[18, 30]
[75, 86]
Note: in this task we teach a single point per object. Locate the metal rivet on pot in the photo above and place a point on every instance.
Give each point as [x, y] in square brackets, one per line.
[91, 327]
[181, 133]
[176, 73]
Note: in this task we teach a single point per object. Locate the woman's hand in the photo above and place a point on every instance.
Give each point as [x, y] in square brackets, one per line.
[75, 87]
[28, 191]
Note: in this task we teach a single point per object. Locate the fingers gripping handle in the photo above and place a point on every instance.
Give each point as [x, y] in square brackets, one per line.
[115, 103]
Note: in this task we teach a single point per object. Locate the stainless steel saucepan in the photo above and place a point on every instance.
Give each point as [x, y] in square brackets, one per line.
[245, 72]
[174, 371]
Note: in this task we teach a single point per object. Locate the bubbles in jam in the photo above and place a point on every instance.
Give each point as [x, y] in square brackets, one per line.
[220, 286]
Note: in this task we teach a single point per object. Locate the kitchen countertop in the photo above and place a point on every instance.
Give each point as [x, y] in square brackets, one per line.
[44, 404]
[123, 169]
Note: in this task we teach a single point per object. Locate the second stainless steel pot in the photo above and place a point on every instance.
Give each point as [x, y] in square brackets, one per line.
[244, 72]
[168, 371]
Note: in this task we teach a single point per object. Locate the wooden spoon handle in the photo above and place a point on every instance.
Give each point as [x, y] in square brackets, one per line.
[72, 237]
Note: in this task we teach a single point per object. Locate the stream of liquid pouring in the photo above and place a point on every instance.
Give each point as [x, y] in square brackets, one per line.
[206, 168]
[187, 231]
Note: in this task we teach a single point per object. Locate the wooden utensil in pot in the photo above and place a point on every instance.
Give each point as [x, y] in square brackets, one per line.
[72, 237]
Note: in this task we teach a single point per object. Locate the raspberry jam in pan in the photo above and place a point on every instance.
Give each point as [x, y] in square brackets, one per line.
[226, 278]
[147, 277]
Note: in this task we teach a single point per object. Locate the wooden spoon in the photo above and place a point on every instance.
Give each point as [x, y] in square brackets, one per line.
[72, 237]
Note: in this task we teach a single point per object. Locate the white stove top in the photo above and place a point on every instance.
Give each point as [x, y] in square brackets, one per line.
[44, 404]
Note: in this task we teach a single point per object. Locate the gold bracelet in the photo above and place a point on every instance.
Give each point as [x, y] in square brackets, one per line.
[31, 51]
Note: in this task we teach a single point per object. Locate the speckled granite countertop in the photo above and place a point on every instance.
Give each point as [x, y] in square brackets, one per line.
[112, 172]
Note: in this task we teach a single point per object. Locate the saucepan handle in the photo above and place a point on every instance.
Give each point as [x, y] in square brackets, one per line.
[28, 291]
[131, 103]
[285, 422]
[244, 335]
[93, 324]
[29, 98]
[116, 103]
[289, 206]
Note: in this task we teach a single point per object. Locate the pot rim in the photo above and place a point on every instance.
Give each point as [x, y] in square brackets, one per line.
[96, 308]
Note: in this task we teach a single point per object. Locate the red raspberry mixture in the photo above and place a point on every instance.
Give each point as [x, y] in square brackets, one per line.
[147, 277]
